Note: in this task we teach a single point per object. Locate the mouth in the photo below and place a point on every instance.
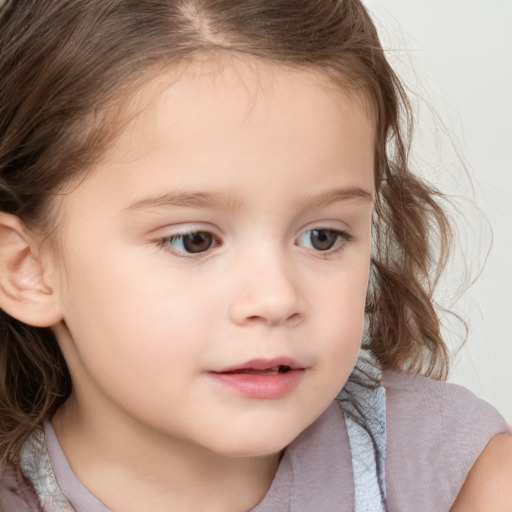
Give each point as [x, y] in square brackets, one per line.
[261, 378]
[274, 366]
[275, 370]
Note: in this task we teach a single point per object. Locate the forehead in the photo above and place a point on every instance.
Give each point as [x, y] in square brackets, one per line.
[251, 131]
[219, 91]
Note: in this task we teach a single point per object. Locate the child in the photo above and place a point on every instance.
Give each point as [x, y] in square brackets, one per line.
[203, 205]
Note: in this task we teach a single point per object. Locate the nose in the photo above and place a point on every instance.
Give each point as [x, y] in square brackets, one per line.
[267, 294]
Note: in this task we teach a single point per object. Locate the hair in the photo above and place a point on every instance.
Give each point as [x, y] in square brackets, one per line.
[66, 64]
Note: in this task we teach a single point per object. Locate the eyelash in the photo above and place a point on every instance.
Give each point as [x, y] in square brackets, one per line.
[342, 238]
[165, 243]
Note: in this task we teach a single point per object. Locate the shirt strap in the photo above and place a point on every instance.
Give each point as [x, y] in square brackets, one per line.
[36, 466]
[368, 445]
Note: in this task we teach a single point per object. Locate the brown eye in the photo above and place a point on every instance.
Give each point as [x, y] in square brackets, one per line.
[191, 243]
[321, 239]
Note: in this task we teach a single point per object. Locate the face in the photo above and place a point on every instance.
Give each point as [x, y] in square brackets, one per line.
[213, 268]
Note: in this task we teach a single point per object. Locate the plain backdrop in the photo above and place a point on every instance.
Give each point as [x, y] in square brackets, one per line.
[455, 57]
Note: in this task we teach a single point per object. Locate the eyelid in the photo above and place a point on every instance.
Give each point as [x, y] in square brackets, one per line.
[343, 238]
[163, 242]
[182, 230]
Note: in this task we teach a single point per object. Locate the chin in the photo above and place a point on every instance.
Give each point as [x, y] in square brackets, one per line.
[247, 452]
[259, 444]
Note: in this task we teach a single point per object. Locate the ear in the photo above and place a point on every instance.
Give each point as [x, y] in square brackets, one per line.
[24, 293]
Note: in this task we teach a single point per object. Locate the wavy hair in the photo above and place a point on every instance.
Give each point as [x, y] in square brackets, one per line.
[65, 68]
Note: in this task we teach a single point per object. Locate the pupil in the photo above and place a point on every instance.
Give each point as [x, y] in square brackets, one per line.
[197, 242]
[323, 239]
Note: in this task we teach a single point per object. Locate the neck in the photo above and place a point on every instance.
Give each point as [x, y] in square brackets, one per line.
[133, 468]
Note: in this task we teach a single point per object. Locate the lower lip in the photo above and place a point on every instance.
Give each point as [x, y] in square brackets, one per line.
[260, 386]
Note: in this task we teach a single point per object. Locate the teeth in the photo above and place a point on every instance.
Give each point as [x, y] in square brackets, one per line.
[275, 370]
[268, 371]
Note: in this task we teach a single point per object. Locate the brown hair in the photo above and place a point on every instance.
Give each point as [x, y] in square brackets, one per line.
[63, 62]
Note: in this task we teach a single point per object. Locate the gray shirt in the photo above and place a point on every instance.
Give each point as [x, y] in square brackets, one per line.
[434, 433]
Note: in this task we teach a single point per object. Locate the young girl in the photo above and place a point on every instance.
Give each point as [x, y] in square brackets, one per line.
[204, 204]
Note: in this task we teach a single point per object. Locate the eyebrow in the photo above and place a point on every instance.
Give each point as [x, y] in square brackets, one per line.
[224, 201]
[178, 199]
[335, 196]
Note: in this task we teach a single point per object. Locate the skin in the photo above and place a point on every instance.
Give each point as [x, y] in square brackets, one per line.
[277, 153]
[141, 323]
[488, 485]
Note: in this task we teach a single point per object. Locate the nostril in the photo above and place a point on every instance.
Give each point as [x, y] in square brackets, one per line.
[294, 319]
[290, 320]
[255, 318]
[259, 310]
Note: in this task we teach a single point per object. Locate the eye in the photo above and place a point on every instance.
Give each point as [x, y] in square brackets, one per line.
[190, 243]
[322, 239]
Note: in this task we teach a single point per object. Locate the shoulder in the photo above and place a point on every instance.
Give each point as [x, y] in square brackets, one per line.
[438, 405]
[435, 433]
[489, 483]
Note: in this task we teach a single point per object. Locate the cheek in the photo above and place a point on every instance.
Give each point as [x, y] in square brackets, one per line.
[138, 356]
[124, 323]
[341, 315]
[343, 340]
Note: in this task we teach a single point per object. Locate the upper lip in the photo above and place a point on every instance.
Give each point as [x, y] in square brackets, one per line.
[263, 364]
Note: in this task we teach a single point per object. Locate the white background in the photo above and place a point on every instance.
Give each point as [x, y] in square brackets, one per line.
[456, 57]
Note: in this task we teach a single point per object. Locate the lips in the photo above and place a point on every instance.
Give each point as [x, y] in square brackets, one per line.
[261, 378]
[266, 371]
[276, 365]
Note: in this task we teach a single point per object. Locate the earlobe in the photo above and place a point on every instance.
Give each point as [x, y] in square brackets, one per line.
[24, 293]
